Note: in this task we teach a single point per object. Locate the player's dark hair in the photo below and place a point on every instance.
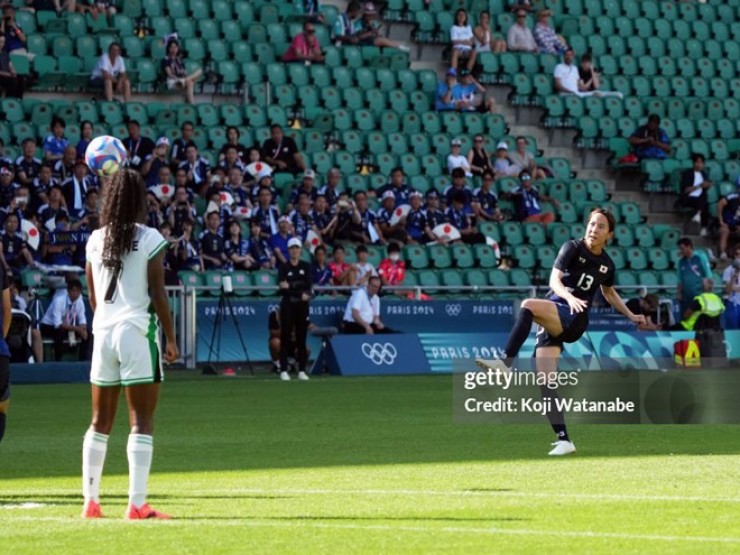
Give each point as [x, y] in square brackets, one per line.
[685, 242]
[124, 205]
[611, 220]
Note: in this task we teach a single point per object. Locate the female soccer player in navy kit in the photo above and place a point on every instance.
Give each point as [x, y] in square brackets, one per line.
[582, 266]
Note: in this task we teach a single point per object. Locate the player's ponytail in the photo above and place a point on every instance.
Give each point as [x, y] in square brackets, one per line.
[124, 205]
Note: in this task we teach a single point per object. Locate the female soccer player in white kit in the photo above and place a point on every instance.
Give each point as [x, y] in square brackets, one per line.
[125, 276]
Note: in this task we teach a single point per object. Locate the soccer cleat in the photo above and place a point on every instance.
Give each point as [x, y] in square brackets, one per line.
[284, 376]
[562, 447]
[91, 509]
[144, 512]
[302, 375]
[496, 364]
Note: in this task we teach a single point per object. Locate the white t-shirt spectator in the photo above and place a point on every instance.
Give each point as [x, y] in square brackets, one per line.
[458, 161]
[63, 311]
[568, 75]
[458, 32]
[104, 64]
[364, 269]
[368, 308]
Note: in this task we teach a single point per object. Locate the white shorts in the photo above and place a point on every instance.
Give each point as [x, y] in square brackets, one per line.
[125, 355]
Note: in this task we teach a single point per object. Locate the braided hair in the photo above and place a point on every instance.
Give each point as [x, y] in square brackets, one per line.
[124, 206]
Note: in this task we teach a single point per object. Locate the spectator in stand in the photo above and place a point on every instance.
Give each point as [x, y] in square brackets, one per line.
[566, 75]
[15, 38]
[365, 270]
[519, 37]
[457, 160]
[170, 257]
[13, 84]
[479, 160]
[417, 228]
[367, 30]
[485, 41]
[320, 271]
[96, 8]
[301, 218]
[470, 95]
[728, 214]
[198, 170]
[648, 307]
[75, 188]
[55, 142]
[342, 274]
[502, 165]
[392, 270]
[14, 253]
[41, 186]
[305, 46]
[7, 186]
[463, 41]
[358, 223]
[332, 187]
[694, 192]
[58, 6]
[65, 166]
[362, 315]
[86, 135]
[305, 188]
[27, 166]
[527, 199]
[110, 74]
[731, 280]
[324, 220]
[138, 146]
[155, 162]
[346, 24]
[180, 210]
[230, 161]
[18, 205]
[256, 169]
[266, 213]
[433, 214]
[391, 232]
[89, 216]
[458, 216]
[237, 248]
[188, 258]
[693, 267]
[5, 161]
[259, 247]
[179, 146]
[279, 240]
[282, 153]
[548, 41]
[522, 5]
[651, 141]
[443, 99]
[485, 201]
[232, 139]
[397, 185]
[589, 78]
[212, 250]
[459, 185]
[154, 215]
[52, 209]
[65, 319]
[60, 245]
[525, 160]
[174, 69]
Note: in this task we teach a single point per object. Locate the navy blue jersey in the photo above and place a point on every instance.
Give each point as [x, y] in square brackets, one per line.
[583, 271]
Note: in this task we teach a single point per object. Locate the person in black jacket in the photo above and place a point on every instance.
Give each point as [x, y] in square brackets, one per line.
[294, 283]
[694, 187]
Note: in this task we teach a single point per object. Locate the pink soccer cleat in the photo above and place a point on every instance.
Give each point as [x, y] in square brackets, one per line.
[144, 512]
[92, 509]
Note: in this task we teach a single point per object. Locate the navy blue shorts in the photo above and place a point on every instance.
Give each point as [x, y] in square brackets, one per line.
[574, 325]
[4, 378]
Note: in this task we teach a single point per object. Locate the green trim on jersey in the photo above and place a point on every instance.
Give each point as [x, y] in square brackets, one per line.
[151, 336]
[163, 245]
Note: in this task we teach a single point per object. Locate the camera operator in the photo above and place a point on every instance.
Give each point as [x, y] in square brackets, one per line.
[731, 280]
[294, 283]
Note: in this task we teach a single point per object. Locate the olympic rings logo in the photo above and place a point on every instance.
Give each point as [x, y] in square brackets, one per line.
[453, 310]
[380, 353]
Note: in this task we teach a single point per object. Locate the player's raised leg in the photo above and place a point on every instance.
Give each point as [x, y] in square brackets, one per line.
[95, 445]
[546, 360]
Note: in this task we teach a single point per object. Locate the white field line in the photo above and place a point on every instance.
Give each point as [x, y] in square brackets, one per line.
[390, 528]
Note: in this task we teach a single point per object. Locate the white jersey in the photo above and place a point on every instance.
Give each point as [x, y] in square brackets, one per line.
[126, 300]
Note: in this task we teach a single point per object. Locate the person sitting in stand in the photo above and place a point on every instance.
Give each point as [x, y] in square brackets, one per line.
[392, 270]
[281, 152]
[174, 69]
[433, 214]
[695, 188]
[648, 307]
[14, 253]
[279, 240]
[212, 250]
[65, 319]
[180, 145]
[55, 142]
[155, 161]
[186, 250]
[305, 46]
[302, 220]
[651, 140]
[527, 201]
[320, 271]
[485, 201]
[362, 314]
[198, 170]
[110, 74]
[237, 248]
[323, 219]
[232, 139]
[417, 228]
[458, 217]
[305, 188]
[259, 247]
[365, 270]
[728, 214]
[343, 274]
[391, 232]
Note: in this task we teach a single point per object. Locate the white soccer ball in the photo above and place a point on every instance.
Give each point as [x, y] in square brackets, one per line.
[105, 155]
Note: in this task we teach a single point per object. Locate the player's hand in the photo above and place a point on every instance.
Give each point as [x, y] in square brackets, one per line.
[576, 305]
[171, 353]
[638, 319]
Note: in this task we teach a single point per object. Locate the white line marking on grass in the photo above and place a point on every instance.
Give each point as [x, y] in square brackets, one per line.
[477, 493]
[23, 506]
[390, 528]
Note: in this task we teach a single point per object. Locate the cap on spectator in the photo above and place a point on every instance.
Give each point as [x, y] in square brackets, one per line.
[294, 242]
[5, 171]
[163, 141]
[456, 142]
[502, 146]
[310, 174]
[282, 219]
[432, 194]
[369, 7]
[452, 71]
[388, 194]
[415, 194]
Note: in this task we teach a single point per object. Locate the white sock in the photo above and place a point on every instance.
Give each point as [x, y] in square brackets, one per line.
[94, 447]
[139, 450]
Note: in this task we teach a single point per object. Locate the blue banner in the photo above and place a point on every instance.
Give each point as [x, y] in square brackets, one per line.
[376, 355]
[401, 315]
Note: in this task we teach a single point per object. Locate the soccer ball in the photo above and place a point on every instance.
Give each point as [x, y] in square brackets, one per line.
[104, 155]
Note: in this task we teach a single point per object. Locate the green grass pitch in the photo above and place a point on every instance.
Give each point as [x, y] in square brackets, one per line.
[362, 465]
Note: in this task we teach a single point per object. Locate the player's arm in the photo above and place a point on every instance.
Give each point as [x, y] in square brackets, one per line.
[613, 298]
[90, 286]
[557, 286]
[155, 275]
